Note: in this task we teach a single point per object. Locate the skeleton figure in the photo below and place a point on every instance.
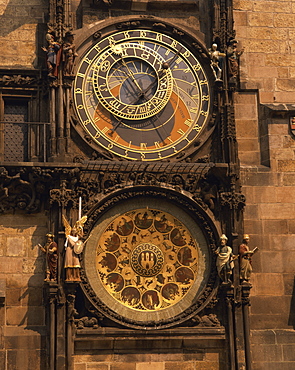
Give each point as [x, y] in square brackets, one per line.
[74, 246]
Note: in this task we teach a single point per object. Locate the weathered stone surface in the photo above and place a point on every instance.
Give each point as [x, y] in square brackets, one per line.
[270, 322]
[286, 165]
[16, 246]
[270, 305]
[263, 337]
[84, 367]
[276, 211]
[267, 284]
[150, 365]
[29, 315]
[285, 84]
[26, 359]
[11, 265]
[248, 145]
[123, 366]
[243, 4]
[177, 365]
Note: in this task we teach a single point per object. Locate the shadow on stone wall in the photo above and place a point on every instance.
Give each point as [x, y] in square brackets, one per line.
[32, 299]
[291, 320]
[32, 295]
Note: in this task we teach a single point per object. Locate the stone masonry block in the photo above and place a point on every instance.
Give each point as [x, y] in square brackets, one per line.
[263, 72]
[282, 154]
[248, 145]
[11, 265]
[285, 84]
[245, 98]
[276, 211]
[286, 337]
[274, 261]
[266, 33]
[265, 194]
[275, 227]
[179, 365]
[271, 322]
[16, 246]
[84, 367]
[267, 284]
[26, 359]
[260, 19]
[267, 305]
[259, 178]
[96, 366]
[288, 179]
[30, 316]
[284, 20]
[243, 4]
[253, 227]
[13, 297]
[249, 158]
[240, 18]
[289, 352]
[284, 97]
[271, 7]
[283, 243]
[288, 265]
[123, 366]
[262, 337]
[246, 111]
[150, 365]
[246, 128]
[268, 352]
[284, 60]
[24, 342]
[291, 226]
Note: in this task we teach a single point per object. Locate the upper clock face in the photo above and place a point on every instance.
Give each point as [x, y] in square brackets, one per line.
[142, 95]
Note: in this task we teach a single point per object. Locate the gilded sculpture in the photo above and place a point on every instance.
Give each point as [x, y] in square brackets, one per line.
[74, 246]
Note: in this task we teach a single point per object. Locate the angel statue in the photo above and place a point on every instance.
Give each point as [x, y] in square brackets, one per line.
[74, 246]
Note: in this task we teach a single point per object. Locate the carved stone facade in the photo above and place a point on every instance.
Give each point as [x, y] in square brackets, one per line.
[114, 111]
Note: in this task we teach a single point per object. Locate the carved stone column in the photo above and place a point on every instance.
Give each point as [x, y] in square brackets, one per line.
[51, 293]
[245, 287]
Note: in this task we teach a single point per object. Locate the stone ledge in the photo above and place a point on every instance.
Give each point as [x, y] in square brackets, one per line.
[184, 339]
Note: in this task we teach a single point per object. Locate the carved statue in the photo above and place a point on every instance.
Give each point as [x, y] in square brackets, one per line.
[216, 61]
[210, 320]
[225, 258]
[50, 249]
[74, 246]
[233, 60]
[86, 322]
[69, 54]
[53, 55]
[245, 259]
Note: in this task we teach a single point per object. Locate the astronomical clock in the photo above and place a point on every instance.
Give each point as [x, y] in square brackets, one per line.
[143, 96]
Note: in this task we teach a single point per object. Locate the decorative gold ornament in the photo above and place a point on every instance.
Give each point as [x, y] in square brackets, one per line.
[147, 259]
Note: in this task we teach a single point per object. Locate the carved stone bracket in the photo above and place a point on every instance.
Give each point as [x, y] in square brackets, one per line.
[18, 80]
[22, 189]
[62, 195]
[106, 177]
[232, 200]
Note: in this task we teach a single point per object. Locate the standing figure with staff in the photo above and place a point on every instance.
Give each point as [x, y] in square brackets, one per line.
[74, 246]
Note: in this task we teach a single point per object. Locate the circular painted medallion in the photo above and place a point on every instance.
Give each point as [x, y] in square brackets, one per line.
[147, 259]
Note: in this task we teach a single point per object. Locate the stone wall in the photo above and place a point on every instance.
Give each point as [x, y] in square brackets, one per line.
[20, 23]
[266, 149]
[22, 335]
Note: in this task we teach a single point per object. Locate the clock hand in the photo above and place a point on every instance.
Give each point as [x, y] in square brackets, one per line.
[131, 75]
[165, 66]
